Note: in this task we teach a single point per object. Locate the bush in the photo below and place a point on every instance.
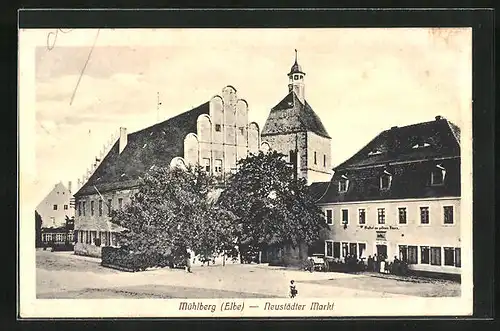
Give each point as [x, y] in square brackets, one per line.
[121, 258]
[61, 247]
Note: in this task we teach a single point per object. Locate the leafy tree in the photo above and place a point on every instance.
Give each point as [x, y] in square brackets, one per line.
[272, 206]
[38, 229]
[172, 211]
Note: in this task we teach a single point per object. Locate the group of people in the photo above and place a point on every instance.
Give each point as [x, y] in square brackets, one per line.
[382, 265]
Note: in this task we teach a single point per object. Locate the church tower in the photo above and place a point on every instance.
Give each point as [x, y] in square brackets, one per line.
[293, 128]
[296, 80]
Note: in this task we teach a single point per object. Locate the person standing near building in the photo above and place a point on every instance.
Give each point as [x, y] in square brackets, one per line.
[188, 261]
[293, 289]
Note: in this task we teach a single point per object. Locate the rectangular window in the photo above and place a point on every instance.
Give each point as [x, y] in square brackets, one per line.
[437, 177]
[362, 216]
[342, 185]
[110, 206]
[412, 255]
[242, 130]
[100, 207]
[435, 255]
[329, 248]
[449, 256]
[324, 161]
[345, 216]
[65, 207]
[329, 216]
[385, 182]
[403, 253]
[120, 203]
[402, 215]
[54, 207]
[315, 159]
[91, 208]
[448, 214]
[345, 249]
[362, 249]
[84, 206]
[353, 249]
[218, 166]
[381, 215]
[336, 250]
[424, 215]
[424, 254]
[79, 208]
[206, 165]
[458, 261]
[217, 127]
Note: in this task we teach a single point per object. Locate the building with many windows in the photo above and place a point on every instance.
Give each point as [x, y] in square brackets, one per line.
[399, 196]
[215, 135]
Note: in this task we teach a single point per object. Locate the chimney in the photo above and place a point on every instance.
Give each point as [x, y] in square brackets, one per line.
[69, 186]
[438, 118]
[123, 139]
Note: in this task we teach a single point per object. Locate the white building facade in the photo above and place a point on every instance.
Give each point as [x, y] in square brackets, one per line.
[399, 197]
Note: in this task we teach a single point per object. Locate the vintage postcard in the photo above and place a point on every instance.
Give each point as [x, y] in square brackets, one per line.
[245, 172]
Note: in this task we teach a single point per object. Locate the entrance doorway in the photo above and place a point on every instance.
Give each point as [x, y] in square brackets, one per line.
[382, 250]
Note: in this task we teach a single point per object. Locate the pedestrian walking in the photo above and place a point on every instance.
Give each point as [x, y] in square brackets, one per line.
[293, 289]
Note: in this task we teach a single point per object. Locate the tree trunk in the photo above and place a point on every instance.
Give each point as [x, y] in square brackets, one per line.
[260, 257]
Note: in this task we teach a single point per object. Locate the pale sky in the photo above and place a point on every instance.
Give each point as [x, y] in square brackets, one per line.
[359, 82]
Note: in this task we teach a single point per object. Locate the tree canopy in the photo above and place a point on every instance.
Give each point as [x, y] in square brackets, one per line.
[272, 205]
[172, 211]
[263, 203]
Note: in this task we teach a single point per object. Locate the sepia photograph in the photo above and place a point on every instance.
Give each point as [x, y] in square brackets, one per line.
[245, 172]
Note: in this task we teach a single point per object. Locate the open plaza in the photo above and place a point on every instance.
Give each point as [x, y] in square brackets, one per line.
[63, 275]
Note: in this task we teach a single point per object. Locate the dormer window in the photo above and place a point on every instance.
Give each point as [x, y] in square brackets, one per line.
[374, 152]
[385, 180]
[437, 175]
[343, 183]
[421, 145]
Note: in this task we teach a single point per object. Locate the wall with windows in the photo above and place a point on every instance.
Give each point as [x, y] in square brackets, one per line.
[92, 220]
[318, 158]
[55, 207]
[425, 232]
[223, 137]
[314, 153]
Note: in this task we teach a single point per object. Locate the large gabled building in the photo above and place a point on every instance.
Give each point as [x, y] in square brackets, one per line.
[215, 135]
[399, 196]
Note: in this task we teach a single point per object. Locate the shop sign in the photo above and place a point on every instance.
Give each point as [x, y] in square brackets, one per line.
[381, 235]
[381, 227]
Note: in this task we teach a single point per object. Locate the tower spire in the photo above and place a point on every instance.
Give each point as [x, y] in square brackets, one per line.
[295, 55]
